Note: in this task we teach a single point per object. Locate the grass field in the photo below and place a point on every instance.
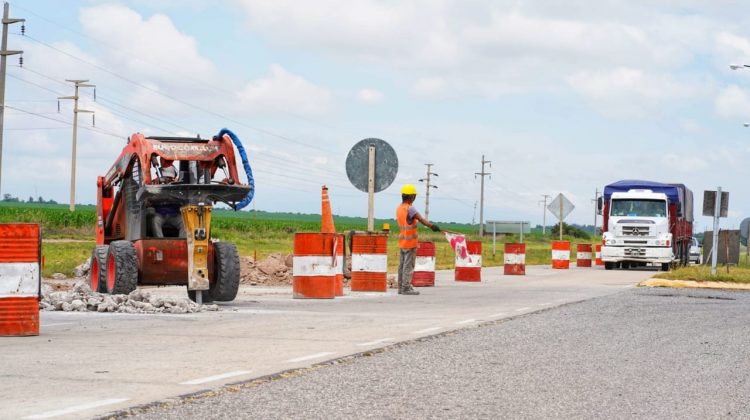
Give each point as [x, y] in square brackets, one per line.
[68, 237]
[733, 274]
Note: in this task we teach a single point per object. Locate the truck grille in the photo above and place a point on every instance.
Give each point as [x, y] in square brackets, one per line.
[635, 231]
[635, 252]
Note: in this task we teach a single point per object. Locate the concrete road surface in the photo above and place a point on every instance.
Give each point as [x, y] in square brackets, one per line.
[90, 364]
[642, 353]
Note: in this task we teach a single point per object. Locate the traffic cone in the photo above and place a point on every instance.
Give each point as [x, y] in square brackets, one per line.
[327, 217]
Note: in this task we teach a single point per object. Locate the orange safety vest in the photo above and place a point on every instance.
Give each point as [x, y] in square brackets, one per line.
[407, 235]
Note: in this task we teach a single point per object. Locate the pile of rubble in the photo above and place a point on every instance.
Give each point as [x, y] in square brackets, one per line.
[81, 299]
[274, 270]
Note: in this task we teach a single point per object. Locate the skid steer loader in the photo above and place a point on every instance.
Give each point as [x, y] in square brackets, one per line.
[154, 210]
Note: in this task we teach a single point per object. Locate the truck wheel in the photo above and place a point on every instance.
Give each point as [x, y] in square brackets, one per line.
[97, 278]
[609, 265]
[122, 268]
[625, 265]
[227, 272]
[664, 266]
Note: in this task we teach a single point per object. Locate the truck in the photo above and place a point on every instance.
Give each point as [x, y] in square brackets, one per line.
[646, 222]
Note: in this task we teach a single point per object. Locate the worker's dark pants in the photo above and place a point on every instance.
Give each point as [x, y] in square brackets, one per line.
[173, 221]
[407, 258]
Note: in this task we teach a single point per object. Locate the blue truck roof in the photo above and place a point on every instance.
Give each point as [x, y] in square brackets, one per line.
[676, 193]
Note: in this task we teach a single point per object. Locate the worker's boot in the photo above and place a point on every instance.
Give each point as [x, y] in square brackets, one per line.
[408, 290]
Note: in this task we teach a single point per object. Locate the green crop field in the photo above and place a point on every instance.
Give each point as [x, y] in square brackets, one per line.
[68, 237]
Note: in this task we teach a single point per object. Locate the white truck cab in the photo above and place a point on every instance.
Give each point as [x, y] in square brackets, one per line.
[638, 230]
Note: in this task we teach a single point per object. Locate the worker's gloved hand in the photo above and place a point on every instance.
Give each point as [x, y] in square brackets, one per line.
[435, 228]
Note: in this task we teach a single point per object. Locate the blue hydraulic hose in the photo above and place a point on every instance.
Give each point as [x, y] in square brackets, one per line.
[245, 164]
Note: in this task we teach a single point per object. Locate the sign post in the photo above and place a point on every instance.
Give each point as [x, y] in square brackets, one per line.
[561, 208]
[371, 167]
[716, 204]
[715, 239]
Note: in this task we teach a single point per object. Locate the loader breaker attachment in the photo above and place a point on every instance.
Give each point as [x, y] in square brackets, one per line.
[197, 222]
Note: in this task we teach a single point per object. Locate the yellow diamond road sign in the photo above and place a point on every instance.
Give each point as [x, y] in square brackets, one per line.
[560, 212]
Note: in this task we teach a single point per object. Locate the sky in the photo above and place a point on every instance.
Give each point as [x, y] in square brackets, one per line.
[561, 97]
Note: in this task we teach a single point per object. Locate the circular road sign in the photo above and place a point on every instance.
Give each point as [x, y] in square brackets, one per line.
[743, 228]
[386, 164]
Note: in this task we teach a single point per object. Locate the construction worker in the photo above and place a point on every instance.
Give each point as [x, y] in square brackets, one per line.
[407, 217]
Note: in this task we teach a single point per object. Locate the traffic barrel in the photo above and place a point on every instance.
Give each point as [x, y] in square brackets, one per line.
[424, 268]
[470, 269]
[514, 257]
[314, 265]
[599, 255]
[583, 255]
[561, 254]
[20, 279]
[369, 262]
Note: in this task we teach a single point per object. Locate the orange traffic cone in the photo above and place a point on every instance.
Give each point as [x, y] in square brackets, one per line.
[327, 217]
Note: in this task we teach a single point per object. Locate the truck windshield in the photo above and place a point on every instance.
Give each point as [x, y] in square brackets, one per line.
[639, 208]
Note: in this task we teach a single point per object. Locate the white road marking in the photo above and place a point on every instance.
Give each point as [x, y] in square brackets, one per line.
[57, 324]
[466, 321]
[525, 308]
[76, 408]
[372, 343]
[310, 357]
[215, 377]
[497, 315]
[545, 304]
[427, 330]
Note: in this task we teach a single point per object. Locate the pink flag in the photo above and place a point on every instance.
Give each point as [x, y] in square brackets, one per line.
[458, 243]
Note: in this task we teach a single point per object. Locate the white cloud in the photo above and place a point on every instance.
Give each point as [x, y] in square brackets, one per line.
[629, 92]
[370, 96]
[486, 48]
[283, 91]
[150, 48]
[733, 102]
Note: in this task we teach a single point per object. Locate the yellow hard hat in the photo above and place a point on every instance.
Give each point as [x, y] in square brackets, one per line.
[409, 189]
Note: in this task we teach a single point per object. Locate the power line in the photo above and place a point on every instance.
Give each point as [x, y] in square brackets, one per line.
[175, 99]
[172, 70]
[93, 129]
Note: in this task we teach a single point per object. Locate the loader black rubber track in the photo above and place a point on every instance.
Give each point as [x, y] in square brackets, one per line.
[122, 254]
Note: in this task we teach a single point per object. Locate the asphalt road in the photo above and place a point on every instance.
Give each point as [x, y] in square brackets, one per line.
[88, 364]
[639, 353]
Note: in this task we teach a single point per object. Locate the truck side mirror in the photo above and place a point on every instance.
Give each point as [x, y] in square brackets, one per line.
[599, 205]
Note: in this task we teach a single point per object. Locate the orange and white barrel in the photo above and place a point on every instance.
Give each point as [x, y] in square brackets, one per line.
[20, 279]
[314, 265]
[561, 254]
[514, 259]
[369, 262]
[599, 255]
[424, 268]
[470, 269]
[583, 255]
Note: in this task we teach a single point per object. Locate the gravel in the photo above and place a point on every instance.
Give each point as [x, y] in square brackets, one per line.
[81, 299]
[642, 353]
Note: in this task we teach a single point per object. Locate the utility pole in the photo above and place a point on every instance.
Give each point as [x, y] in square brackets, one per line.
[481, 196]
[79, 83]
[427, 187]
[4, 53]
[474, 215]
[544, 213]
